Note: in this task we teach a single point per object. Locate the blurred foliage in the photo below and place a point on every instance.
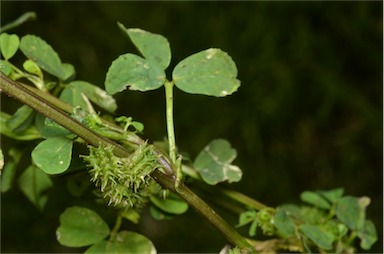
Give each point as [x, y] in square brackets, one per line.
[307, 116]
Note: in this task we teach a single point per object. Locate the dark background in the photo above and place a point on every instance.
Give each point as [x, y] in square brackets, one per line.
[308, 115]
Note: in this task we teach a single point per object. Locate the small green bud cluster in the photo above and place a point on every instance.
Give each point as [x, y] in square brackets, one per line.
[265, 219]
[124, 182]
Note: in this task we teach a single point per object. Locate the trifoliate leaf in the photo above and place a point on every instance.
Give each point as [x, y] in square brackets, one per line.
[214, 163]
[53, 155]
[209, 72]
[152, 46]
[80, 226]
[9, 43]
[34, 183]
[135, 72]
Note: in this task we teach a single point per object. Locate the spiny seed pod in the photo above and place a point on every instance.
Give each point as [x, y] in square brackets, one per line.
[125, 182]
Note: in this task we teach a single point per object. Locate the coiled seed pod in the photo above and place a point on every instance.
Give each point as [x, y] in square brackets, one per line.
[124, 182]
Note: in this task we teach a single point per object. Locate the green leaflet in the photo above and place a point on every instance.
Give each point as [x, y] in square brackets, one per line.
[351, 211]
[214, 163]
[9, 44]
[367, 235]
[284, 223]
[209, 72]
[135, 72]
[332, 195]
[172, 204]
[49, 129]
[315, 199]
[29, 133]
[124, 242]
[45, 57]
[53, 155]
[318, 236]
[80, 227]
[31, 67]
[246, 218]
[73, 95]
[9, 171]
[5, 67]
[34, 183]
[21, 119]
[152, 46]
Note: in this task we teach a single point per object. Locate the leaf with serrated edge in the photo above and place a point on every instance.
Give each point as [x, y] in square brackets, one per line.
[214, 163]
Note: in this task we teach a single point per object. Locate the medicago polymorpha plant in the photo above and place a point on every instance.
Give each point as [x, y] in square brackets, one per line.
[130, 173]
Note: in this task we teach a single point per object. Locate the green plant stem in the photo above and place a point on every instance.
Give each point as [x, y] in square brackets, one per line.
[204, 209]
[27, 97]
[169, 115]
[20, 20]
[116, 228]
[243, 199]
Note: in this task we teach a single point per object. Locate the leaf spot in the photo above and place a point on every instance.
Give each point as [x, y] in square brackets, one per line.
[210, 53]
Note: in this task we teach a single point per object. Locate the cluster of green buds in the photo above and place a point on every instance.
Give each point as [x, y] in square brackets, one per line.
[124, 182]
[265, 219]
